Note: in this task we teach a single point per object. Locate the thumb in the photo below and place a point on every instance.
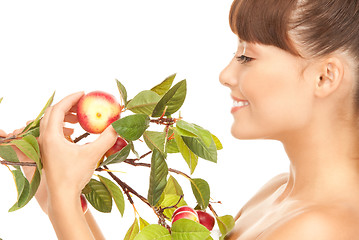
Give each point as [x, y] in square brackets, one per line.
[104, 142]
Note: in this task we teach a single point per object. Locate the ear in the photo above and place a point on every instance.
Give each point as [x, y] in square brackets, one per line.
[329, 77]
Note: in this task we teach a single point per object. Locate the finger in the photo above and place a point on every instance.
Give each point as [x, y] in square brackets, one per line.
[2, 133]
[45, 119]
[18, 131]
[59, 111]
[104, 142]
[71, 118]
[73, 109]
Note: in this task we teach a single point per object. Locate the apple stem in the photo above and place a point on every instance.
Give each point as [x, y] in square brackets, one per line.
[86, 134]
[212, 210]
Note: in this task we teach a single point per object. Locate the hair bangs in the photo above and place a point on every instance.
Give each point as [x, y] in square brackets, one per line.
[263, 21]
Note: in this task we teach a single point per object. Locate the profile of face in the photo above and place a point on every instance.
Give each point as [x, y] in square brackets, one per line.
[272, 74]
[270, 95]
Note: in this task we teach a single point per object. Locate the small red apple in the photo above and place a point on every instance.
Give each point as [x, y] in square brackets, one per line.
[183, 208]
[206, 219]
[119, 144]
[83, 203]
[97, 110]
[185, 214]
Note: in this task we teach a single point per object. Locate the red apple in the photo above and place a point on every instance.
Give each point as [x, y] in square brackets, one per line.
[185, 214]
[183, 208]
[83, 203]
[206, 219]
[119, 144]
[97, 110]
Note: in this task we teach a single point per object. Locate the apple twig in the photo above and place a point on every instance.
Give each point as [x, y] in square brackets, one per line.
[133, 163]
[26, 164]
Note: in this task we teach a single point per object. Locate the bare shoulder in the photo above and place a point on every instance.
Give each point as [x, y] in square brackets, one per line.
[266, 190]
[320, 223]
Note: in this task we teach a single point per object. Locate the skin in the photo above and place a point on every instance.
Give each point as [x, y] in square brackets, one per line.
[307, 104]
[67, 168]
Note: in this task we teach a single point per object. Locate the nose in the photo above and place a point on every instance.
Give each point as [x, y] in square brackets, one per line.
[228, 75]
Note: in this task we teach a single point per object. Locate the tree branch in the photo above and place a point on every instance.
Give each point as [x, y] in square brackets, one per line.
[24, 164]
[133, 163]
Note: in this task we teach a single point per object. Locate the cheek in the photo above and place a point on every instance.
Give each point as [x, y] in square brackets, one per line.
[276, 100]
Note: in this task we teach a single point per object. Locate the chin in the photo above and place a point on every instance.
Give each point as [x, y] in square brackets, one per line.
[242, 134]
[250, 133]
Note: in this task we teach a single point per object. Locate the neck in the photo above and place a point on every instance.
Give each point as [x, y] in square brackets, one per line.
[324, 161]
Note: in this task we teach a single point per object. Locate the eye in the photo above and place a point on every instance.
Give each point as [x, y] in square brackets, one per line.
[244, 59]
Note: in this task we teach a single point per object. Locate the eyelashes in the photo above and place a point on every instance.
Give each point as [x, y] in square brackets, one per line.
[243, 59]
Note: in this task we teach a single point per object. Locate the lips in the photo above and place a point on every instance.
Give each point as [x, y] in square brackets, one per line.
[238, 104]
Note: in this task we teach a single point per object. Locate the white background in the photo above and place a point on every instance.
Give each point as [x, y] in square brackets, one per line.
[71, 46]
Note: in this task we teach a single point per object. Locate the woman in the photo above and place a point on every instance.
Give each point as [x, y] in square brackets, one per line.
[293, 79]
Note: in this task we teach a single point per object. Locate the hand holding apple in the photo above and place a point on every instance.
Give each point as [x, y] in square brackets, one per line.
[97, 110]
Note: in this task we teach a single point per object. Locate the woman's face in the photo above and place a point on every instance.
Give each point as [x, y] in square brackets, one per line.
[271, 96]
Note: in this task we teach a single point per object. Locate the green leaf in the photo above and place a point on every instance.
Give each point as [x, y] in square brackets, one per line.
[36, 122]
[132, 231]
[158, 177]
[185, 229]
[154, 232]
[196, 130]
[34, 184]
[132, 127]
[217, 142]
[34, 132]
[199, 148]
[122, 91]
[144, 102]
[183, 132]
[23, 189]
[1, 99]
[115, 192]
[33, 142]
[143, 223]
[201, 191]
[118, 157]
[170, 200]
[99, 197]
[8, 154]
[190, 158]
[225, 224]
[28, 145]
[155, 140]
[173, 187]
[171, 146]
[164, 86]
[173, 100]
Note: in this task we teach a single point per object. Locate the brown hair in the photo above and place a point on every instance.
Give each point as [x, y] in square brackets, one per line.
[319, 26]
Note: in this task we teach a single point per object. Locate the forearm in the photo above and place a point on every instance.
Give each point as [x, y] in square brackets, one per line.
[67, 218]
[96, 231]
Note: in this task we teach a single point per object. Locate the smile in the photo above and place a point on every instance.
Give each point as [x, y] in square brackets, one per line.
[240, 103]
